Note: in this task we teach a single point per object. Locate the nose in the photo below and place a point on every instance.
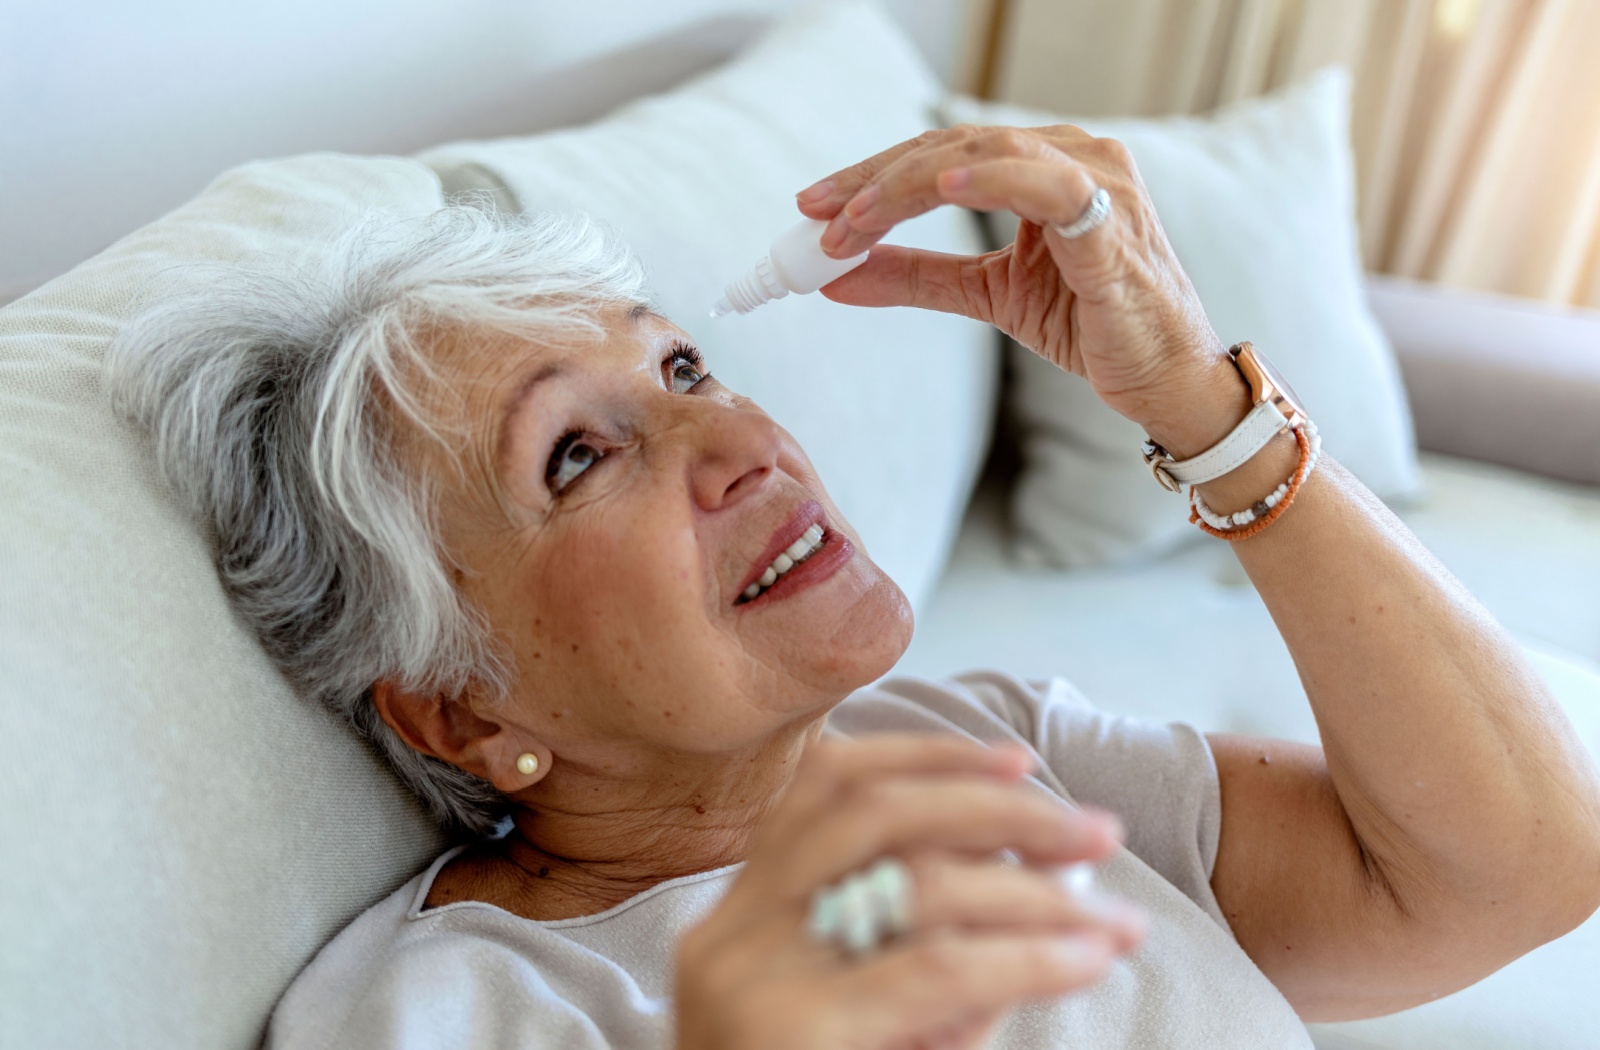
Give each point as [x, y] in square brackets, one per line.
[733, 450]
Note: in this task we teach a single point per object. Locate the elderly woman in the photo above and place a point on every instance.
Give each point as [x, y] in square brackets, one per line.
[599, 612]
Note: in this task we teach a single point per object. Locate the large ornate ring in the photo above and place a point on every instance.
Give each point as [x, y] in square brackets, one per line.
[1097, 211]
[864, 909]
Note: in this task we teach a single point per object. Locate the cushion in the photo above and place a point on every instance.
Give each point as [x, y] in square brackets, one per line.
[181, 832]
[1258, 202]
[893, 406]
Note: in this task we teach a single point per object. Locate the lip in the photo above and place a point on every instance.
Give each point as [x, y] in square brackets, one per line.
[806, 515]
[823, 562]
[827, 559]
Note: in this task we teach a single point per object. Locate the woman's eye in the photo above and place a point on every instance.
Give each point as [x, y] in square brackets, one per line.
[571, 458]
[685, 374]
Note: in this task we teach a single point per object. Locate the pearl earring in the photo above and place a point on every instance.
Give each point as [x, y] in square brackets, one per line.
[527, 764]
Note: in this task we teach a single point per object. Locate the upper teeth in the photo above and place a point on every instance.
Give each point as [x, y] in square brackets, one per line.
[793, 555]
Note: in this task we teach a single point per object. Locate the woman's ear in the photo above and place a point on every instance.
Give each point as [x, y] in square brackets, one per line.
[450, 730]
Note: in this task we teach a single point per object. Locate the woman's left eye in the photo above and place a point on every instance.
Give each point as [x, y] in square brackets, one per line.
[685, 376]
[687, 365]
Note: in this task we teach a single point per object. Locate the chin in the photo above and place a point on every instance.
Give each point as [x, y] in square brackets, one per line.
[868, 638]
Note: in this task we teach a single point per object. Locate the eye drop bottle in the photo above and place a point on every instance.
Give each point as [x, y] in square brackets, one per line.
[795, 263]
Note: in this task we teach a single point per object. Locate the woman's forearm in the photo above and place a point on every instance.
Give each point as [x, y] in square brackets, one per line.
[1460, 775]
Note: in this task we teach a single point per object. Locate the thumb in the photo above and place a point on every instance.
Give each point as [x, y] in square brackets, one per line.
[898, 276]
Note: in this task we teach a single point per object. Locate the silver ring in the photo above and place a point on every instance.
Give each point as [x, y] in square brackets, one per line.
[1097, 211]
[864, 909]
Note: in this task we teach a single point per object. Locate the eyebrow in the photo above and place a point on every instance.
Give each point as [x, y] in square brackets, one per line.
[551, 370]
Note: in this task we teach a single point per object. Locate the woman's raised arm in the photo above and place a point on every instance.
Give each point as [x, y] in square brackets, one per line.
[1451, 820]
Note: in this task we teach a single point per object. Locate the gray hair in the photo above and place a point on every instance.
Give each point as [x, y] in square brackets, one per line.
[277, 401]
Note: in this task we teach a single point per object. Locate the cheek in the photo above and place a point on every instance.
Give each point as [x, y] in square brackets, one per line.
[613, 593]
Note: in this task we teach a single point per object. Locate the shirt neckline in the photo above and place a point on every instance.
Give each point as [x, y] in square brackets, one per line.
[418, 910]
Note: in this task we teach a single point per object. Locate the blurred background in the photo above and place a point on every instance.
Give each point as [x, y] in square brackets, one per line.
[1475, 123]
[112, 113]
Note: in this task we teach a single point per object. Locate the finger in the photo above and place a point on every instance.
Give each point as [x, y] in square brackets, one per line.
[906, 814]
[833, 767]
[833, 770]
[909, 186]
[969, 1034]
[929, 986]
[896, 276]
[951, 892]
[823, 198]
[1052, 189]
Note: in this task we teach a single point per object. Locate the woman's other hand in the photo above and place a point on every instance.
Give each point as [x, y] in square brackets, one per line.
[1112, 305]
[984, 935]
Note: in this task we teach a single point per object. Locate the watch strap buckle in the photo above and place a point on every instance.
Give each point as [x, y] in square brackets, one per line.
[1157, 458]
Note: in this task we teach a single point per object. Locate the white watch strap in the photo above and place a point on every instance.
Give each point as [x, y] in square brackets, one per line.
[1244, 441]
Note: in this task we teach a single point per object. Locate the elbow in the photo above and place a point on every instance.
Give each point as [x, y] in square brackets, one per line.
[1552, 891]
[1570, 878]
[1560, 871]
[1586, 894]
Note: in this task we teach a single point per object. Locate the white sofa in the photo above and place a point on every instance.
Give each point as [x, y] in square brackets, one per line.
[180, 834]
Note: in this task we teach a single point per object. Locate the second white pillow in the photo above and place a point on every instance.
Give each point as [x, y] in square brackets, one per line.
[1259, 204]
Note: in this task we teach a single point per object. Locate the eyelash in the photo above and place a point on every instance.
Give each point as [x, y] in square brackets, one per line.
[680, 351]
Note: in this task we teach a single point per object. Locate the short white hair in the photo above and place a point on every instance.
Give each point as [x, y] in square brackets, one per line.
[276, 400]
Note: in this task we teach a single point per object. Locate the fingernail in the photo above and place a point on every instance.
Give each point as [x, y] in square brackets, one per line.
[1110, 822]
[862, 201]
[1134, 921]
[815, 192]
[1108, 909]
[956, 178]
[1083, 952]
[835, 234]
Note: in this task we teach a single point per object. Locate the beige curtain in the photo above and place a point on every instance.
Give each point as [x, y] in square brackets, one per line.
[1476, 123]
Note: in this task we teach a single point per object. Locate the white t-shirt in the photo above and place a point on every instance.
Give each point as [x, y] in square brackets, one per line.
[468, 974]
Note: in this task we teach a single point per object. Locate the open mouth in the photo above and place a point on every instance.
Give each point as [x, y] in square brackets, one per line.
[802, 552]
[795, 554]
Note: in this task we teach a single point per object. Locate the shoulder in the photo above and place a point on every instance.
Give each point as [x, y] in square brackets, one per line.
[988, 704]
[398, 971]
[1160, 778]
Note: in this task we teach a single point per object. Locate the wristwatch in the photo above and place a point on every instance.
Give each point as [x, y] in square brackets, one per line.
[1277, 408]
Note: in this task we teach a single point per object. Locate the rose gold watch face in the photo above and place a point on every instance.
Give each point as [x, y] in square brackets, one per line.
[1276, 379]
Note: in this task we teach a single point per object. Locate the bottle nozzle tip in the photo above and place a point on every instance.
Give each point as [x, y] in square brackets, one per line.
[722, 308]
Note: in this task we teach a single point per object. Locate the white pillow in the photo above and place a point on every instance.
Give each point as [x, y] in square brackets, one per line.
[893, 406]
[180, 830]
[1259, 204]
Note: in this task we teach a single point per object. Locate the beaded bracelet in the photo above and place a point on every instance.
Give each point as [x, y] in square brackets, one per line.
[1246, 523]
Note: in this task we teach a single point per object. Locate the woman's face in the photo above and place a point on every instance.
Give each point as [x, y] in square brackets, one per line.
[640, 501]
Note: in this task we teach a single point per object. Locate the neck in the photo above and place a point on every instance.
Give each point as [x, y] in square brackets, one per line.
[590, 839]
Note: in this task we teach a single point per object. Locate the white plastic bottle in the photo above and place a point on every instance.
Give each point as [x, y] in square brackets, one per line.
[795, 263]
